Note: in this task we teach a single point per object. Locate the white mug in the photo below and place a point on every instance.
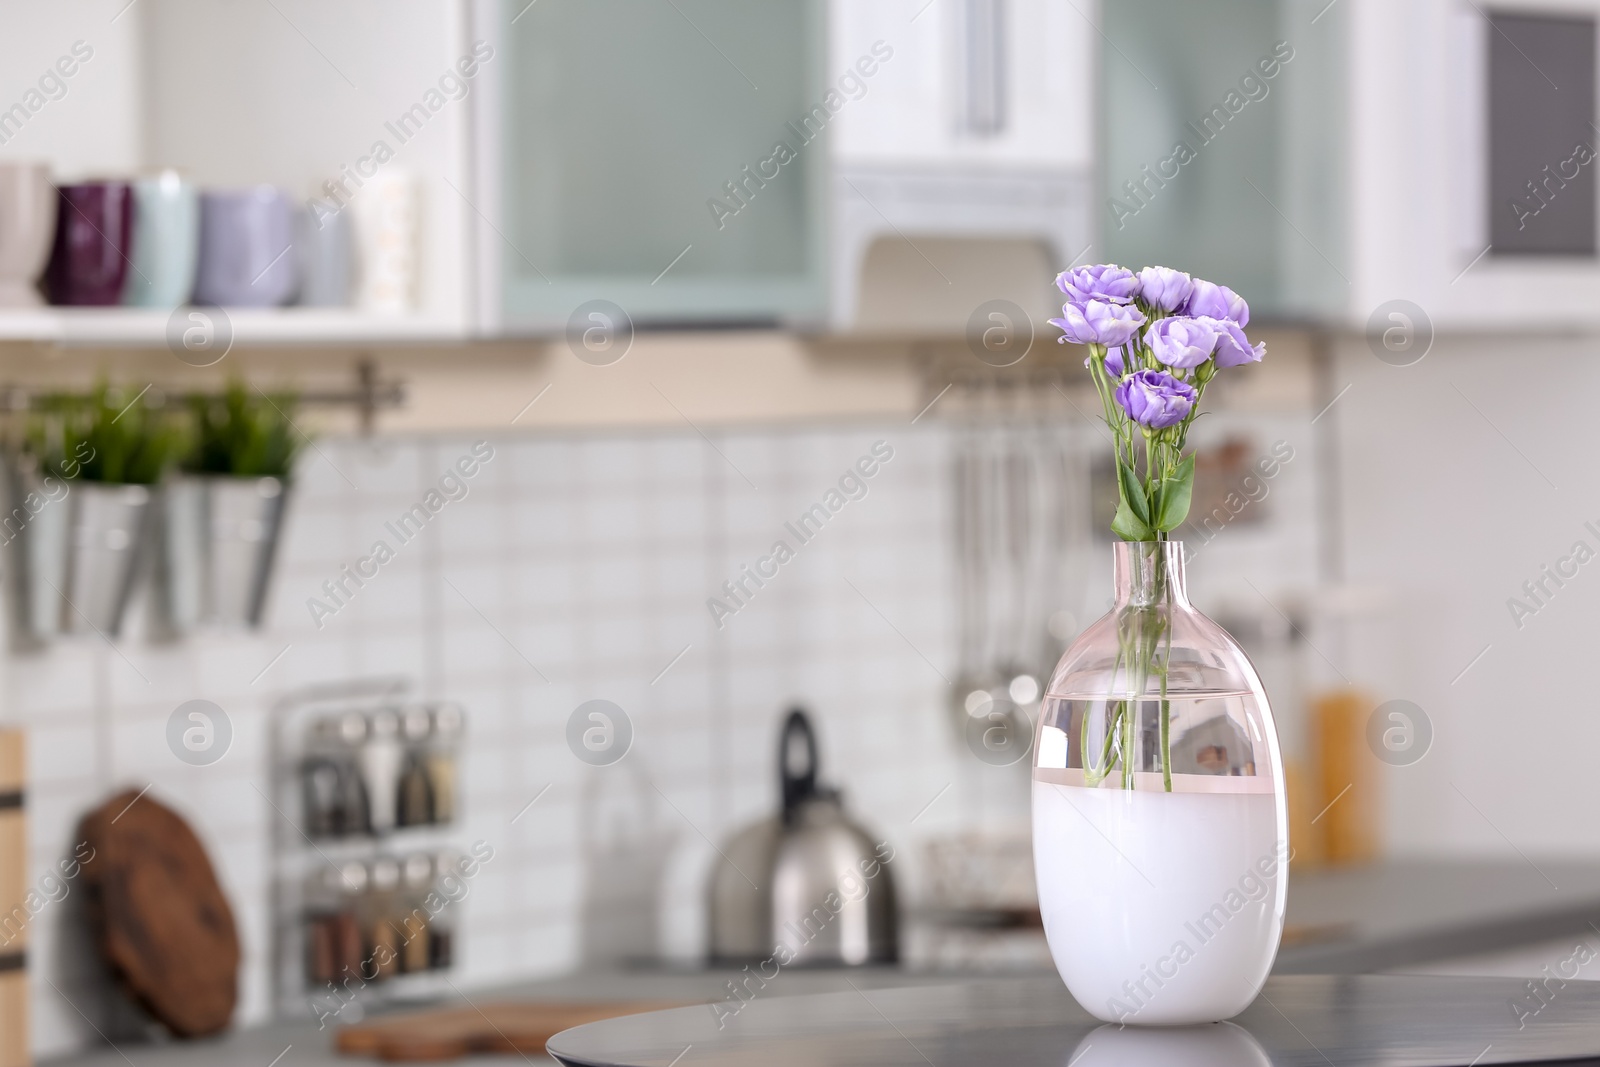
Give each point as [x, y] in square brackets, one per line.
[27, 227]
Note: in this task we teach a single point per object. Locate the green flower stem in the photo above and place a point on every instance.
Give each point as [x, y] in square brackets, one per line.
[1166, 713]
[1093, 775]
[1144, 644]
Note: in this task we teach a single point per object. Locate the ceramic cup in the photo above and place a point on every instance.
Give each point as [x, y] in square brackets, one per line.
[247, 248]
[386, 239]
[27, 223]
[166, 241]
[94, 230]
[326, 256]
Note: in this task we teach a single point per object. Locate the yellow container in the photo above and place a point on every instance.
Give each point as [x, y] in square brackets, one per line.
[1349, 804]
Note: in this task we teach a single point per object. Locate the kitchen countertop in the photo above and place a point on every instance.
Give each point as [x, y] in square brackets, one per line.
[1298, 1021]
[1402, 912]
[1344, 922]
[302, 1044]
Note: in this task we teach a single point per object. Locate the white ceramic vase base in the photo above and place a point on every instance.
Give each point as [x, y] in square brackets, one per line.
[1160, 822]
[1160, 908]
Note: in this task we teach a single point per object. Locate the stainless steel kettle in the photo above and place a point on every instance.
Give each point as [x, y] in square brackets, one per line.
[807, 886]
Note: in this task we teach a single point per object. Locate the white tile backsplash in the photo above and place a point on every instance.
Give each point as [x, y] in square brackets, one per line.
[578, 566]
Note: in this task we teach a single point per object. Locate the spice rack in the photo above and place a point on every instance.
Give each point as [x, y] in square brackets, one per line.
[367, 868]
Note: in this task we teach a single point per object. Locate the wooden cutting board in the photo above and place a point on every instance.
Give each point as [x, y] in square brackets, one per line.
[164, 925]
[14, 919]
[507, 1027]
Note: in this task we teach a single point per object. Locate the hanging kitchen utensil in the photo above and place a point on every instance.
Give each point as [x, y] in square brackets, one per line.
[807, 885]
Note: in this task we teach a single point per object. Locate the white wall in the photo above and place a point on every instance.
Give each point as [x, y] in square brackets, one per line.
[1462, 476]
[95, 127]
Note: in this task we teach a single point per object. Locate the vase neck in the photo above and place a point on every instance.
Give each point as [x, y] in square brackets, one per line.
[1148, 572]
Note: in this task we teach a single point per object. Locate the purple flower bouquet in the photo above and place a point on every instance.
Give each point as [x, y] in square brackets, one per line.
[1157, 773]
[1156, 340]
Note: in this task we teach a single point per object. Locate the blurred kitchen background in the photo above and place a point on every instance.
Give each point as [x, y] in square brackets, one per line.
[661, 273]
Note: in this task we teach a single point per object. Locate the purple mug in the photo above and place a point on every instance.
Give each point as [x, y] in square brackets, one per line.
[94, 234]
[247, 248]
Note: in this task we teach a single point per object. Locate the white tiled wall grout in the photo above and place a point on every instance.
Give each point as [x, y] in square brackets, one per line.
[586, 559]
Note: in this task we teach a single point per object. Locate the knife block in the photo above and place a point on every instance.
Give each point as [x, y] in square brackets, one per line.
[13, 888]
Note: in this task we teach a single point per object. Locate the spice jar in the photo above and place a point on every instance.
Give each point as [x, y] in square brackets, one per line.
[349, 885]
[443, 745]
[416, 924]
[381, 757]
[333, 798]
[441, 929]
[416, 793]
[377, 915]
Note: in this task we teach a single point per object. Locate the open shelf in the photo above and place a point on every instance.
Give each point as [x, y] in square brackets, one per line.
[251, 326]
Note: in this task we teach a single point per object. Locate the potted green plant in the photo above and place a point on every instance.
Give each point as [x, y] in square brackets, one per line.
[81, 483]
[221, 515]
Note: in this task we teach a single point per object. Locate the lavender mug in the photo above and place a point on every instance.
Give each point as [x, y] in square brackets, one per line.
[247, 248]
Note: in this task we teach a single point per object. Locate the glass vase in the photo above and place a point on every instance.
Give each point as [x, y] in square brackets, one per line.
[1160, 828]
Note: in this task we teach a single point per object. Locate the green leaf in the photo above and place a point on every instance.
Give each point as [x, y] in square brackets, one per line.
[1129, 526]
[1133, 494]
[1177, 490]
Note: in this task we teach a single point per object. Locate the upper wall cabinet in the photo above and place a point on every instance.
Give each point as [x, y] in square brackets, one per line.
[665, 156]
[962, 119]
[1332, 159]
[1488, 207]
[1195, 99]
[965, 83]
[676, 161]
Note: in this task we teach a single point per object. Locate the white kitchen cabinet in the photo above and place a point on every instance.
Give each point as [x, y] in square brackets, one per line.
[1372, 170]
[971, 83]
[976, 121]
[1422, 193]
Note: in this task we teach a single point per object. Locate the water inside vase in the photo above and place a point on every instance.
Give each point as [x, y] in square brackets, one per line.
[1212, 736]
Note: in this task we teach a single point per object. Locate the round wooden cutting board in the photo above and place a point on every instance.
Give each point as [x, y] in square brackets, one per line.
[162, 921]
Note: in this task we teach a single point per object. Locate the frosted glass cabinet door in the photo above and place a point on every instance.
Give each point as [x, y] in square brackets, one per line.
[666, 155]
[1220, 145]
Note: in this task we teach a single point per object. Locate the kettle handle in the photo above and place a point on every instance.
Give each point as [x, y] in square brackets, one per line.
[797, 787]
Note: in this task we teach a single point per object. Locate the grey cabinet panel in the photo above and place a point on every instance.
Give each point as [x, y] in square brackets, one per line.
[668, 155]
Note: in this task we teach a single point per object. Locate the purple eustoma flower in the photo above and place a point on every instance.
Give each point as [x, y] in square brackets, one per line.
[1217, 302]
[1155, 399]
[1181, 342]
[1099, 323]
[1116, 362]
[1105, 282]
[1233, 347]
[1165, 288]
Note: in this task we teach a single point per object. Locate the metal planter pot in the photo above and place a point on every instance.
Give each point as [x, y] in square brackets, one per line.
[105, 532]
[34, 532]
[219, 537]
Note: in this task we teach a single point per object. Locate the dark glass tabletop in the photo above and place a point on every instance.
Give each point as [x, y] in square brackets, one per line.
[1312, 1020]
